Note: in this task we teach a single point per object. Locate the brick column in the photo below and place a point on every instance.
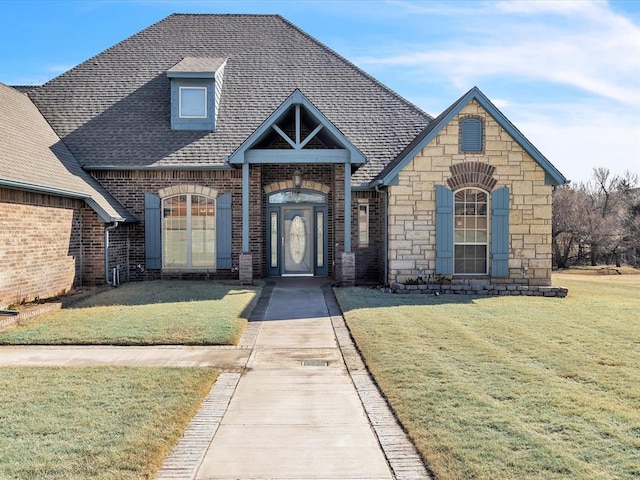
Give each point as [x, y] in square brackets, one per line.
[246, 269]
[348, 269]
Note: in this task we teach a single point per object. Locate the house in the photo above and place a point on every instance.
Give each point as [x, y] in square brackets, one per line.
[226, 146]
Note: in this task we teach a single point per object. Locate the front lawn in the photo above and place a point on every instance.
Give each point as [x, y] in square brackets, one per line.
[99, 423]
[146, 313]
[511, 387]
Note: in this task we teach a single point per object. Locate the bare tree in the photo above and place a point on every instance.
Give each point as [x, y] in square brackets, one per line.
[598, 220]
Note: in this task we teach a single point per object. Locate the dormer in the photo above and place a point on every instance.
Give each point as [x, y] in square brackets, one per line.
[196, 84]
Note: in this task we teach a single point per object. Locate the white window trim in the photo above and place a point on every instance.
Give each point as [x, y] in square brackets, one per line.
[206, 110]
[360, 232]
[487, 243]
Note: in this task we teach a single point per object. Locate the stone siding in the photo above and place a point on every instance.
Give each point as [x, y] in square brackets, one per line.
[412, 203]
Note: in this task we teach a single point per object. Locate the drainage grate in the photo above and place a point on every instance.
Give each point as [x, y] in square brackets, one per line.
[315, 363]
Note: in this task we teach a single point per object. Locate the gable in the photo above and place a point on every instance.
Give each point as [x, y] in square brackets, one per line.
[297, 132]
[473, 97]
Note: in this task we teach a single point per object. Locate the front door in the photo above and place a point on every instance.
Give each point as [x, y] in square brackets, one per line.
[296, 240]
[296, 234]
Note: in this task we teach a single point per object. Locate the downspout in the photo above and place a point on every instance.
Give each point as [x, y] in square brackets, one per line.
[385, 229]
[106, 252]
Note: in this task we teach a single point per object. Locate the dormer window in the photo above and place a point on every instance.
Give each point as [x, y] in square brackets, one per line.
[196, 84]
[193, 102]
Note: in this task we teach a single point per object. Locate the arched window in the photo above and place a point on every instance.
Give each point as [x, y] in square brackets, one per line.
[470, 231]
[471, 135]
[188, 231]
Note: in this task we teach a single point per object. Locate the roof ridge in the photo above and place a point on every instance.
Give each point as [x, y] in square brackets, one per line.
[175, 14]
[356, 68]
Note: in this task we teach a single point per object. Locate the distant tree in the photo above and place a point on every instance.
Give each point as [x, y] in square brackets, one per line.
[567, 213]
[598, 220]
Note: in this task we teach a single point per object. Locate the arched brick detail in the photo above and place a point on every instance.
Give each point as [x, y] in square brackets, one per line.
[472, 174]
[288, 185]
[184, 189]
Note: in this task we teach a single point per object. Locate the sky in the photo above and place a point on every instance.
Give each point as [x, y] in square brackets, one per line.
[566, 73]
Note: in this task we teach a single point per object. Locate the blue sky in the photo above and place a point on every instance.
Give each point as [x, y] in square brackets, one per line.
[566, 73]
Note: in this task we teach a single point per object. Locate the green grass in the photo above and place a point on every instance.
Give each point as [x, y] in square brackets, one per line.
[511, 387]
[99, 423]
[145, 313]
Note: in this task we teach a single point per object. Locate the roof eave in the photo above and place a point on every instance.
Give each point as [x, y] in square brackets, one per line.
[59, 192]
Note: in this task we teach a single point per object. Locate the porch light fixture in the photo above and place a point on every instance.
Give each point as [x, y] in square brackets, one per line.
[297, 180]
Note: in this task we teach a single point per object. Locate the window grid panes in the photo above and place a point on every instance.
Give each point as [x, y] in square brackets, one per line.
[193, 102]
[189, 231]
[274, 239]
[363, 224]
[319, 239]
[470, 231]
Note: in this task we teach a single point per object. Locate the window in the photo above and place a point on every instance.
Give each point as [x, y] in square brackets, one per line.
[470, 231]
[189, 231]
[363, 224]
[193, 102]
[471, 135]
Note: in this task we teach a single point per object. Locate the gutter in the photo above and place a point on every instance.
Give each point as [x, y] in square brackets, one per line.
[31, 187]
[377, 186]
[106, 253]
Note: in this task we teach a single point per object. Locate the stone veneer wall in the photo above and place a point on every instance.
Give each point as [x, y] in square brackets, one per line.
[412, 203]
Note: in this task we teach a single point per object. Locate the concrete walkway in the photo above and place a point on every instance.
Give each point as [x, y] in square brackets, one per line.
[294, 400]
[295, 413]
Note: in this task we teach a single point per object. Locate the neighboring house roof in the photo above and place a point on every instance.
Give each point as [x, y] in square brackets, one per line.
[388, 174]
[33, 158]
[24, 88]
[113, 111]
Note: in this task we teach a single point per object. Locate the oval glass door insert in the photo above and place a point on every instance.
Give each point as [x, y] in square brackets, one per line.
[297, 239]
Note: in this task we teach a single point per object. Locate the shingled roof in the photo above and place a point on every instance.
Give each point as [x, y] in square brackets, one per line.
[113, 111]
[33, 158]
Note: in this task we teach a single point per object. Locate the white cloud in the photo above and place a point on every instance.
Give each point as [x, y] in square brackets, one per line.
[583, 45]
[566, 73]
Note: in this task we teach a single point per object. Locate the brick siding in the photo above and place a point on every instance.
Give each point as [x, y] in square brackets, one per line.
[40, 239]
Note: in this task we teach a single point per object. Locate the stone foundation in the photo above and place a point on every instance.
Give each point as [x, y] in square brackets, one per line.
[246, 269]
[348, 277]
[481, 289]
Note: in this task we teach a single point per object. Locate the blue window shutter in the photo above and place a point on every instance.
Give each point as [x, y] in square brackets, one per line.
[471, 136]
[152, 233]
[444, 231]
[500, 232]
[223, 231]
